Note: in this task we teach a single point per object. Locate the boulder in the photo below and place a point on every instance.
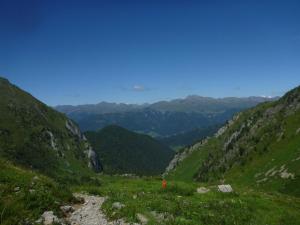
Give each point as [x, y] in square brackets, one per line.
[202, 190]
[48, 218]
[226, 188]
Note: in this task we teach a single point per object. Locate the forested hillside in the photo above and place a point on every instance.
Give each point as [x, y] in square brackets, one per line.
[122, 151]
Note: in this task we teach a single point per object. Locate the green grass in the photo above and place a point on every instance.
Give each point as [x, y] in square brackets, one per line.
[180, 203]
[283, 152]
[186, 170]
[36, 194]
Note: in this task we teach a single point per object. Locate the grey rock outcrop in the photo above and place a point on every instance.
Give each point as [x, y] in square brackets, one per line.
[94, 162]
[227, 125]
[180, 156]
[53, 143]
[93, 159]
[73, 129]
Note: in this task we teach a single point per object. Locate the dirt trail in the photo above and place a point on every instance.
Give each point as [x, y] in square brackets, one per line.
[90, 213]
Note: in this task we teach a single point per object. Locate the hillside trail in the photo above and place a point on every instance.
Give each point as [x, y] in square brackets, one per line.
[90, 213]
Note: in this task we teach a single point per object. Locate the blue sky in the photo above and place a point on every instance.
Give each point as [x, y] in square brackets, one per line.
[75, 52]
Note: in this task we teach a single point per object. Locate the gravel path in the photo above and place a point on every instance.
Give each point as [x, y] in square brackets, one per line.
[90, 213]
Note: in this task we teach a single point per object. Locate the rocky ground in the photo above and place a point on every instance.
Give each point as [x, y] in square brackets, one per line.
[87, 213]
[90, 213]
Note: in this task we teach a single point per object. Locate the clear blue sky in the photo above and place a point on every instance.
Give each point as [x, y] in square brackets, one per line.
[74, 52]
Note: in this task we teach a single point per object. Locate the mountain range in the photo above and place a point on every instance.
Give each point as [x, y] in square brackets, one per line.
[165, 118]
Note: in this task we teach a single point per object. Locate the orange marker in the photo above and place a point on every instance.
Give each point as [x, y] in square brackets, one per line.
[164, 184]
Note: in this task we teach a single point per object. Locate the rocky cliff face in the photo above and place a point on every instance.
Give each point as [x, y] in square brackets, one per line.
[93, 162]
[180, 156]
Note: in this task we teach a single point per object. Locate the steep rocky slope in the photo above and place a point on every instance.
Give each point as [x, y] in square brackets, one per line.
[259, 147]
[34, 135]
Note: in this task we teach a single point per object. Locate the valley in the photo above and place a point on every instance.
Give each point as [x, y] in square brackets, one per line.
[149, 112]
[114, 175]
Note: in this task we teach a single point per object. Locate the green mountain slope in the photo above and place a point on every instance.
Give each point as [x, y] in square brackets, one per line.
[25, 195]
[122, 151]
[259, 147]
[36, 136]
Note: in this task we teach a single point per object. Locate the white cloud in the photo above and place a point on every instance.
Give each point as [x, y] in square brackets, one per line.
[266, 96]
[138, 87]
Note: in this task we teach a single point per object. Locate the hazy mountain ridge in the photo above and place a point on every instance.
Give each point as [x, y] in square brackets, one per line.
[155, 123]
[259, 147]
[100, 108]
[192, 103]
[164, 118]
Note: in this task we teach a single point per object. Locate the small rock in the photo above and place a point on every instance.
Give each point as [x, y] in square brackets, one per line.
[143, 219]
[35, 178]
[158, 216]
[79, 199]
[202, 190]
[118, 205]
[16, 189]
[226, 188]
[49, 218]
[67, 209]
